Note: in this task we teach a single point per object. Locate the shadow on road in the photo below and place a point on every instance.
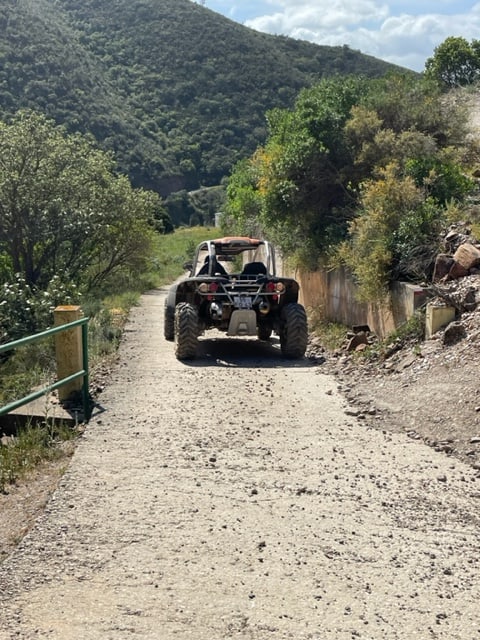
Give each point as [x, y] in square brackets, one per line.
[244, 353]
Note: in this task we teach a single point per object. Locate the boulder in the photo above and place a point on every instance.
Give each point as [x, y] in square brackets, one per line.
[454, 333]
[443, 264]
[467, 255]
[457, 271]
[358, 339]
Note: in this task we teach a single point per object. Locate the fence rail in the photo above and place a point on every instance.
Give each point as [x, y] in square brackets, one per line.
[82, 373]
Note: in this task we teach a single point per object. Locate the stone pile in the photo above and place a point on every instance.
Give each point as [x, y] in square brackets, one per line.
[461, 257]
[456, 276]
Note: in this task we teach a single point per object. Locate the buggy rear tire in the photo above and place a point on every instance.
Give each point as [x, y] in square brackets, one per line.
[186, 331]
[294, 333]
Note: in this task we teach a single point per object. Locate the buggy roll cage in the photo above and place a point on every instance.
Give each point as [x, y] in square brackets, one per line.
[226, 249]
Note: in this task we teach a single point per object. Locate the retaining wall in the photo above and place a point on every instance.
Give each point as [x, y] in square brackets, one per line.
[332, 294]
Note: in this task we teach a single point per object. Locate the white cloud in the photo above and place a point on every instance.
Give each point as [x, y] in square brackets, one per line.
[405, 33]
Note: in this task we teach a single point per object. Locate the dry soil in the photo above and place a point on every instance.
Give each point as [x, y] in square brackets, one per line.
[246, 496]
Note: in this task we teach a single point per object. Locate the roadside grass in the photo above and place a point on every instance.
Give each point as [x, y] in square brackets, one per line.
[331, 334]
[174, 249]
[34, 365]
[25, 369]
[33, 445]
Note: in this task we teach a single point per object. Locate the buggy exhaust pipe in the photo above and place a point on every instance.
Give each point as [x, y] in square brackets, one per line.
[264, 307]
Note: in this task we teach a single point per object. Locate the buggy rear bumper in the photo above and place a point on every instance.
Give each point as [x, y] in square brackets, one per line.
[243, 322]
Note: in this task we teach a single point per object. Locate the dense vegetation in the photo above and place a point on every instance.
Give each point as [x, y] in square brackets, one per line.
[178, 92]
[363, 173]
[68, 224]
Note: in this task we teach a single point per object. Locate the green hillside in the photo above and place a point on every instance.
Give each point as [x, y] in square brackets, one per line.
[178, 92]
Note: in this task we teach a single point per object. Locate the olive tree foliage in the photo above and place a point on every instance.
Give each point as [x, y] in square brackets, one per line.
[311, 185]
[244, 202]
[395, 226]
[69, 225]
[63, 210]
[296, 185]
[455, 63]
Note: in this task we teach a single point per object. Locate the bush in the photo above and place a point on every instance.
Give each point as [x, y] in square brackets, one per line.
[25, 310]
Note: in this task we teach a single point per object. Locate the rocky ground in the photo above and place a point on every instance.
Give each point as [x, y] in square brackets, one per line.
[428, 389]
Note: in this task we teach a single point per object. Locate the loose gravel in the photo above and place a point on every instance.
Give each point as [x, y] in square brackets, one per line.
[234, 497]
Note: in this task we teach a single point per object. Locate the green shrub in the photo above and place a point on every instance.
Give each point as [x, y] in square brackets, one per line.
[25, 310]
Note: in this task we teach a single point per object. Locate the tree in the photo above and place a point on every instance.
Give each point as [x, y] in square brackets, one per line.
[244, 201]
[63, 210]
[302, 172]
[385, 154]
[393, 220]
[455, 63]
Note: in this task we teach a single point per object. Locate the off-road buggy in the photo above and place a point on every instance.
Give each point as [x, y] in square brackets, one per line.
[233, 287]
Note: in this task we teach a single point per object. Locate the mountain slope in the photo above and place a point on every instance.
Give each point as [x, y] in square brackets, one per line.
[176, 90]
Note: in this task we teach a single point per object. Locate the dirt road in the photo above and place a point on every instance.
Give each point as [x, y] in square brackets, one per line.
[233, 497]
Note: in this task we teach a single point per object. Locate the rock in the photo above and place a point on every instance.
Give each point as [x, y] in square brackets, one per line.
[467, 255]
[457, 271]
[463, 294]
[358, 339]
[361, 347]
[455, 238]
[406, 362]
[361, 328]
[443, 264]
[454, 333]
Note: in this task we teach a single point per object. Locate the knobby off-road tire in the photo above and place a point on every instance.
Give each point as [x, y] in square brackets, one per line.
[294, 334]
[169, 324]
[186, 331]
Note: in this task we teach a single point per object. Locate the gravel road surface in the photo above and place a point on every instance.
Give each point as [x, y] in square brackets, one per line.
[234, 497]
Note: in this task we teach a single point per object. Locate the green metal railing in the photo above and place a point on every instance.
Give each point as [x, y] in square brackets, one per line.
[82, 373]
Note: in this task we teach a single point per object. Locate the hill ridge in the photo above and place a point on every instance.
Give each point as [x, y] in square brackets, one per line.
[176, 90]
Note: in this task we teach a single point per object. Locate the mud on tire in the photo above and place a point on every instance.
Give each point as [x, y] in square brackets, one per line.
[186, 331]
[294, 333]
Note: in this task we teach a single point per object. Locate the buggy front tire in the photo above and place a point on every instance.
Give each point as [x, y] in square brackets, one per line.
[294, 332]
[186, 331]
[169, 324]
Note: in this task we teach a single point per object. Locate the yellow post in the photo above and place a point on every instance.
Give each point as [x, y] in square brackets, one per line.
[68, 348]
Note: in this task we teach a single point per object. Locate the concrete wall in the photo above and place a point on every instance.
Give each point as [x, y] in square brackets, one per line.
[332, 293]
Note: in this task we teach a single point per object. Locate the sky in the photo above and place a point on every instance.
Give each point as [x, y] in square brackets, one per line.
[402, 32]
